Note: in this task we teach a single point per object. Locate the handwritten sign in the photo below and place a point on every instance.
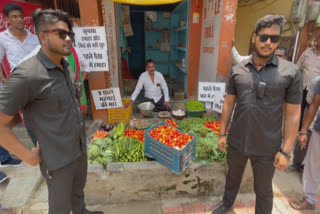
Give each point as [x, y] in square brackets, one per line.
[107, 98]
[92, 44]
[207, 91]
[218, 102]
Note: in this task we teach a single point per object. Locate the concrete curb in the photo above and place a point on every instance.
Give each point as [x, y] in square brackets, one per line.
[122, 182]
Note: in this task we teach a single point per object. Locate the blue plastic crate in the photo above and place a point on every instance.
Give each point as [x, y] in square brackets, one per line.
[176, 160]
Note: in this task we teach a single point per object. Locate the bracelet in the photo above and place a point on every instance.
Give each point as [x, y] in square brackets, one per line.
[301, 133]
[284, 153]
[222, 135]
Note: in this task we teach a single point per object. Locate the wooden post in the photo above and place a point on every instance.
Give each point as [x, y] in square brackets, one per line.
[91, 16]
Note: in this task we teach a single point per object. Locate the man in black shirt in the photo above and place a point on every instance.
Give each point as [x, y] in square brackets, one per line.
[43, 87]
[261, 86]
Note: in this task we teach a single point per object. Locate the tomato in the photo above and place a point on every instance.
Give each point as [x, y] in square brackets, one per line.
[170, 136]
[214, 126]
[135, 133]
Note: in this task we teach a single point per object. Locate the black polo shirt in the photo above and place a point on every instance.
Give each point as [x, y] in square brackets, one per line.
[47, 97]
[257, 123]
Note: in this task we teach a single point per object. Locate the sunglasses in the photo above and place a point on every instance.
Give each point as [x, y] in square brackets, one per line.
[62, 33]
[273, 39]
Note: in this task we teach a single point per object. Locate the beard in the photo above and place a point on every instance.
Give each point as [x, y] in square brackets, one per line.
[61, 51]
[259, 54]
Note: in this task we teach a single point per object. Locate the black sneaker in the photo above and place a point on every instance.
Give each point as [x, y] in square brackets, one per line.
[11, 162]
[221, 209]
[3, 177]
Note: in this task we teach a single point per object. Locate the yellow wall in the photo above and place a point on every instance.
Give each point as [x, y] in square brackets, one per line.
[249, 15]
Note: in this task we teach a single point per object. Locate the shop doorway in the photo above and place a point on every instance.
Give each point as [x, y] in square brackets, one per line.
[159, 33]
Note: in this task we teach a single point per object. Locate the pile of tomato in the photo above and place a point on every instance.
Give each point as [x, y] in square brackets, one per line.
[172, 123]
[170, 136]
[214, 126]
[135, 133]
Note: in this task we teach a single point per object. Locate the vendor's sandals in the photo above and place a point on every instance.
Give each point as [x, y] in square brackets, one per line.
[302, 205]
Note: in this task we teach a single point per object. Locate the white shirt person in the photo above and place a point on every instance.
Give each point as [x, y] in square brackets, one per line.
[155, 88]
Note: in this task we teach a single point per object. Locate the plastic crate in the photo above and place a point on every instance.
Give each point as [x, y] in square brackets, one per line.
[118, 115]
[176, 160]
[194, 113]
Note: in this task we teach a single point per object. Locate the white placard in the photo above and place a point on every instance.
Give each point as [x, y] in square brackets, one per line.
[92, 44]
[218, 102]
[90, 37]
[107, 98]
[98, 59]
[207, 90]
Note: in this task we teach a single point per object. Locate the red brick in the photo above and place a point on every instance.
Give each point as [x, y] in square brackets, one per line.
[198, 207]
[171, 210]
[187, 208]
[209, 207]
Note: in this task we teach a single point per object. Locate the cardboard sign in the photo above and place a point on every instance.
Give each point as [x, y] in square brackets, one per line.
[107, 98]
[92, 44]
[208, 90]
[218, 102]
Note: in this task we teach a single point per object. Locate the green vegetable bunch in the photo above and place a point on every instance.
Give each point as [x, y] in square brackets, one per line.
[207, 141]
[100, 151]
[194, 105]
[128, 150]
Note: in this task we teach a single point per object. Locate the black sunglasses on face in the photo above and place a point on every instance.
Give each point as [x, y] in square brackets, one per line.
[265, 37]
[62, 33]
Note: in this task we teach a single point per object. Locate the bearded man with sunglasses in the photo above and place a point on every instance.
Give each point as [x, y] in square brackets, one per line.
[43, 87]
[260, 86]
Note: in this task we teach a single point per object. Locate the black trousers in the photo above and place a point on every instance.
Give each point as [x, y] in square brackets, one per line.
[65, 187]
[304, 105]
[299, 154]
[263, 171]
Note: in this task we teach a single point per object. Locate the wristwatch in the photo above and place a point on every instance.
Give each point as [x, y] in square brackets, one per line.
[284, 153]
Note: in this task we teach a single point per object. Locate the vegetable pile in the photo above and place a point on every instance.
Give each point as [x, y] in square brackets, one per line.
[170, 136]
[135, 133]
[194, 105]
[172, 123]
[100, 134]
[141, 124]
[116, 147]
[214, 126]
[107, 127]
[207, 139]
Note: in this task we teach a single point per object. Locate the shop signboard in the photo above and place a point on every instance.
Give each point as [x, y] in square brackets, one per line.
[210, 36]
[92, 44]
[28, 10]
[107, 98]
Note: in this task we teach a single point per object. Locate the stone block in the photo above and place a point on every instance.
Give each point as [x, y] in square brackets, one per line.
[122, 182]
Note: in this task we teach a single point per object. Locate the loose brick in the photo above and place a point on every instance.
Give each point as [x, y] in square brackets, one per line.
[171, 210]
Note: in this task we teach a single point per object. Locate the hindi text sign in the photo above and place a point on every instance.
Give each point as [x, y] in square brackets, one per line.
[208, 90]
[107, 98]
[92, 43]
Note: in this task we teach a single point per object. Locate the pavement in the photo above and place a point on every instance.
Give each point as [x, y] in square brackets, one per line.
[286, 187]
